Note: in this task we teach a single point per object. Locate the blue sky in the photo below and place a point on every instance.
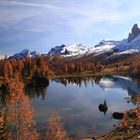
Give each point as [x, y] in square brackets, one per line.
[42, 24]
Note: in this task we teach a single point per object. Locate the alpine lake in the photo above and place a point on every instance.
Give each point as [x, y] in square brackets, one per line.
[85, 104]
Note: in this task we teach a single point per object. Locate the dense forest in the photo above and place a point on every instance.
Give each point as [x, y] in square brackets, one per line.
[55, 65]
[46, 66]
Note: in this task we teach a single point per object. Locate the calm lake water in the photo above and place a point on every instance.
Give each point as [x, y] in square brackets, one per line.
[77, 101]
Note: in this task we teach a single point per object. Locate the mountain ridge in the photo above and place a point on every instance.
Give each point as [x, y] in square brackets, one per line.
[24, 54]
[126, 46]
[129, 45]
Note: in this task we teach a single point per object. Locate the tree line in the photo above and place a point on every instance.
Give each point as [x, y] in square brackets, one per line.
[43, 65]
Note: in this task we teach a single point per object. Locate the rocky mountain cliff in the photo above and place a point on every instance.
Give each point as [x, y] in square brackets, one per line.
[134, 33]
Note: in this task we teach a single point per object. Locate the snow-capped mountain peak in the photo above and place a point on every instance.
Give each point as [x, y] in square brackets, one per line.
[103, 46]
[24, 54]
[78, 50]
[132, 43]
[69, 51]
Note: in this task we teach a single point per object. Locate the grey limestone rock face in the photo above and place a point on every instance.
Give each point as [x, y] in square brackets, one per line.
[134, 33]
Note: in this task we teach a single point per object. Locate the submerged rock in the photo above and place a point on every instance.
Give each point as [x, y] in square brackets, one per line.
[117, 115]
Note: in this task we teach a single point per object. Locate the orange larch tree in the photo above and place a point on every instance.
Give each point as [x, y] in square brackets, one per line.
[55, 129]
[19, 113]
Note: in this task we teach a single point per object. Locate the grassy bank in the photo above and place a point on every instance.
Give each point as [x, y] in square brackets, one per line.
[75, 75]
[84, 74]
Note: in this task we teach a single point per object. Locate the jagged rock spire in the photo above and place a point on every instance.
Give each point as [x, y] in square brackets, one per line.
[134, 32]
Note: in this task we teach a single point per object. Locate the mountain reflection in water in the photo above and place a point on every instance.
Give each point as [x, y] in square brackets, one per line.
[77, 100]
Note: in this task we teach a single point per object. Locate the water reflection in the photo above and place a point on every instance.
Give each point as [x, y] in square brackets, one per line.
[106, 82]
[37, 87]
[82, 101]
[75, 80]
[34, 92]
[120, 82]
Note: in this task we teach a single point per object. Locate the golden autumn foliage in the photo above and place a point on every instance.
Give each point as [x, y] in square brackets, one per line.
[125, 121]
[44, 66]
[55, 129]
[1, 124]
[19, 114]
[135, 113]
[19, 117]
[3, 134]
[138, 109]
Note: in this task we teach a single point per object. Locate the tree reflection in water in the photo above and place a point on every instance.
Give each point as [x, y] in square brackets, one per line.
[16, 116]
[37, 87]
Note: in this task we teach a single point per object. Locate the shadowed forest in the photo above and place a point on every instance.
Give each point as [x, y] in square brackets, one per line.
[57, 66]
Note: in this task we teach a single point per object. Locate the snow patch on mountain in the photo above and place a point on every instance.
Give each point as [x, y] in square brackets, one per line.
[79, 50]
[24, 54]
[69, 51]
[128, 51]
[132, 43]
[108, 42]
[103, 46]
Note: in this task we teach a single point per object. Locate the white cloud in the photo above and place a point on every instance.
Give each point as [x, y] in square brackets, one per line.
[60, 18]
[32, 4]
[15, 11]
[77, 16]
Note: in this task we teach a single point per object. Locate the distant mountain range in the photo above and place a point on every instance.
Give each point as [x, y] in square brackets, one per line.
[129, 45]
[24, 54]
